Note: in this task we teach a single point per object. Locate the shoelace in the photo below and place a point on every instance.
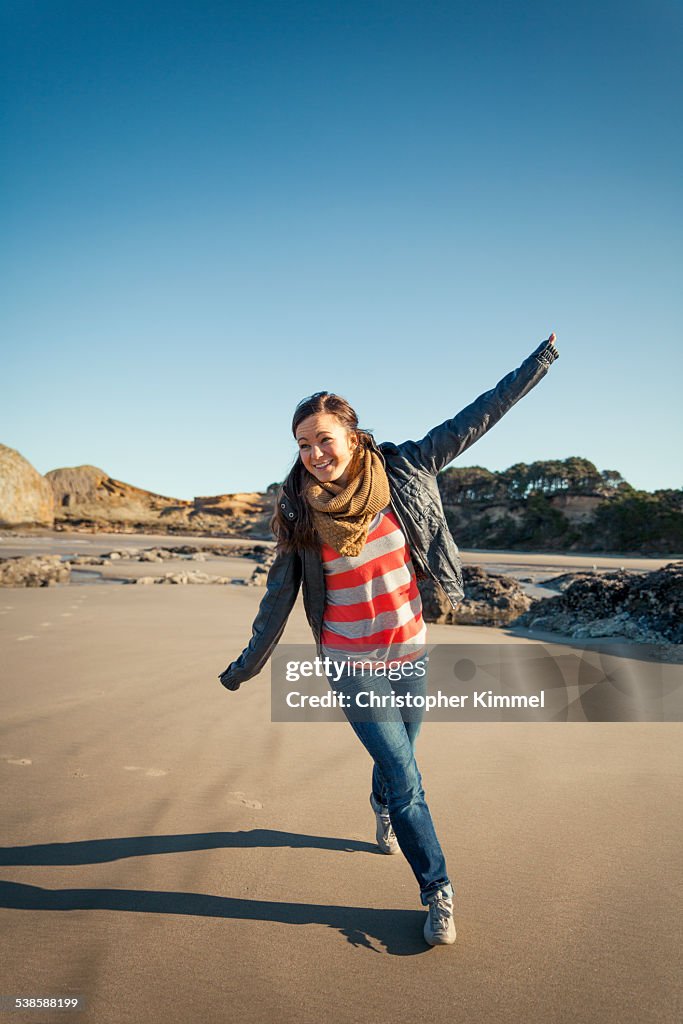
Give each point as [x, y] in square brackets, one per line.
[440, 912]
[389, 834]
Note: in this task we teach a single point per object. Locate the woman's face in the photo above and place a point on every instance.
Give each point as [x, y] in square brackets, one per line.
[326, 447]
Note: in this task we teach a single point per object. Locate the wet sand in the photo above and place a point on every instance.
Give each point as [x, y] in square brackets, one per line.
[172, 855]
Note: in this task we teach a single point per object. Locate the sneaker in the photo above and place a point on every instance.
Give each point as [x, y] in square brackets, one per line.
[386, 837]
[439, 929]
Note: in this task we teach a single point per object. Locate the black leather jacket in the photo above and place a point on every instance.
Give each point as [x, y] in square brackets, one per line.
[411, 468]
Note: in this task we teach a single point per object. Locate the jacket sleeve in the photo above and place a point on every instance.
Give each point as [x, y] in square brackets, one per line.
[444, 443]
[282, 588]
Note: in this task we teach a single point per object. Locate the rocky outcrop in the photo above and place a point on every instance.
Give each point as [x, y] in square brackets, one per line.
[180, 578]
[258, 578]
[259, 552]
[46, 570]
[490, 600]
[86, 497]
[34, 571]
[25, 496]
[644, 607]
[564, 580]
[559, 505]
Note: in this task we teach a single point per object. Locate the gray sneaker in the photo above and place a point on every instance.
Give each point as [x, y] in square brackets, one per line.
[439, 929]
[386, 837]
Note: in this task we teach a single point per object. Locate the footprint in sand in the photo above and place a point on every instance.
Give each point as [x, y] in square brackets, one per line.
[66, 615]
[240, 798]
[152, 772]
[18, 760]
[27, 636]
[46, 623]
[78, 773]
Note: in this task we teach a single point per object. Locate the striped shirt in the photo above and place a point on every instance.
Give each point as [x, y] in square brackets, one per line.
[373, 608]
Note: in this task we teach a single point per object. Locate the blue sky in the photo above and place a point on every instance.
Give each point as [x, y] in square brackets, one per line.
[211, 210]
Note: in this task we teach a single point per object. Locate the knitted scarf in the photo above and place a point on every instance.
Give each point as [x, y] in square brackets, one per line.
[342, 515]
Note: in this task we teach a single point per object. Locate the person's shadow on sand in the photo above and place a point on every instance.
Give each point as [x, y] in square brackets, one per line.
[97, 851]
[398, 931]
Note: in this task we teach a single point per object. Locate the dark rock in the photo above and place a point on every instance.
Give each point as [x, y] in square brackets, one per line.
[565, 580]
[490, 600]
[646, 607]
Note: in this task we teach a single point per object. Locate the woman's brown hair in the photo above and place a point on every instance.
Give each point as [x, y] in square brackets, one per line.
[300, 533]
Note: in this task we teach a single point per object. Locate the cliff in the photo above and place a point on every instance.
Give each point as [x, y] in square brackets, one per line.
[86, 496]
[559, 505]
[26, 498]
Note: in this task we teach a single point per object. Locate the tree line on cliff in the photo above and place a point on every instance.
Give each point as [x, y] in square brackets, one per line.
[559, 504]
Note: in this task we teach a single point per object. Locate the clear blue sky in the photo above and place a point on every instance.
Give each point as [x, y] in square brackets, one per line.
[212, 209]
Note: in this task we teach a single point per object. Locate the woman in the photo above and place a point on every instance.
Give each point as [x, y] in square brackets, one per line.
[357, 524]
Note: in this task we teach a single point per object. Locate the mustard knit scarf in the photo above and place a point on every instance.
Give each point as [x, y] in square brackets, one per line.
[342, 515]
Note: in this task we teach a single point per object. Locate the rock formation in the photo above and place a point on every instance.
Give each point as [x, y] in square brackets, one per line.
[34, 571]
[25, 496]
[46, 570]
[86, 497]
[490, 600]
[645, 607]
[181, 578]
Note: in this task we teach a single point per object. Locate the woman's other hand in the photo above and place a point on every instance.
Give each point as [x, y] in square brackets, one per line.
[226, 681]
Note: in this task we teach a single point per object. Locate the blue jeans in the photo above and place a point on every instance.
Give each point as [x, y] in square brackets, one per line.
[389, 734]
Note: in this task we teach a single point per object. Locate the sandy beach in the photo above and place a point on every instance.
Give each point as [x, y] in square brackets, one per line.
[385, 280]
[172, 855]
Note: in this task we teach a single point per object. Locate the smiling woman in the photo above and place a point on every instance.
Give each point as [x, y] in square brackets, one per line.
[331, 451]
[351, 526]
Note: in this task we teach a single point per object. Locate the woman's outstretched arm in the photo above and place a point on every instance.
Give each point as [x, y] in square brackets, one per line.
[444, 443]
[282, 588]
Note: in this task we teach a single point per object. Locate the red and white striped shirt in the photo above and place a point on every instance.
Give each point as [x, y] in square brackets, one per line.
[373, 608]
